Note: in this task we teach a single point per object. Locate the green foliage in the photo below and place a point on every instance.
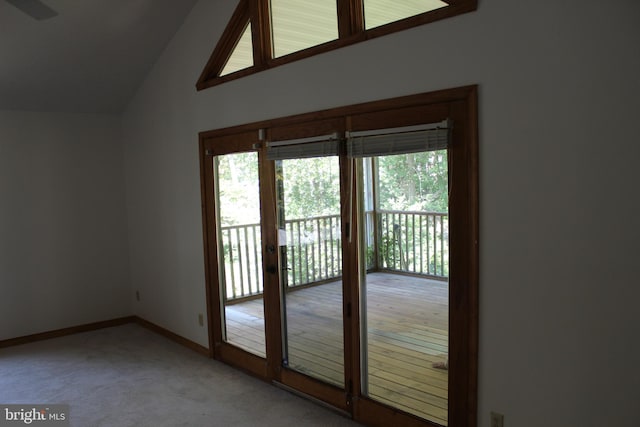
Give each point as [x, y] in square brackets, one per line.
[238, 185]
[409, 182]
[311, 187]
[415, 243]
[414, 182]
[388, 251]
[370, 257]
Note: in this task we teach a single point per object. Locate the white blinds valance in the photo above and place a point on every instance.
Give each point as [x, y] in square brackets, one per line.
[402, 140]
[316, 146]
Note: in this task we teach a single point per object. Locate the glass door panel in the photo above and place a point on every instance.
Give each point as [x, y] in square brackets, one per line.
[404, 288]
[240, 250]
[310, 246]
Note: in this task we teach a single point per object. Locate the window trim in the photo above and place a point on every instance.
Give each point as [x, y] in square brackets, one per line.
[350, 31]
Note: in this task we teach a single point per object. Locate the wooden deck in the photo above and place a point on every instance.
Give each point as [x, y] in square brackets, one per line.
[407, 331]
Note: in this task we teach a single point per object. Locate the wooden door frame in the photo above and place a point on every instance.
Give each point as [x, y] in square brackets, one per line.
[328, 393]
[459, 104]
[218, 348]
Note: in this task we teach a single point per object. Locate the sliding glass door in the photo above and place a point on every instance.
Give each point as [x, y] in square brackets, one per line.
[341, 256]
[311, 279]
[404, 288]
[237, 242]
[240, 250]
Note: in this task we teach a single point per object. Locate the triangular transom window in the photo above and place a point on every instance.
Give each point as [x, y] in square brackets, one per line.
[242, 56]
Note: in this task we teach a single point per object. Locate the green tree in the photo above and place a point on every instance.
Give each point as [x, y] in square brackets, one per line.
[311, 187]
[414, 182]
[238, 188]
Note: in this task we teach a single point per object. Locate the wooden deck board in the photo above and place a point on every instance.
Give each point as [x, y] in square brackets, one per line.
[407, 331]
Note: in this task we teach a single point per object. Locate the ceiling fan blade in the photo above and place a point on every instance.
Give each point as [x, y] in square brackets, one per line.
[34, 8]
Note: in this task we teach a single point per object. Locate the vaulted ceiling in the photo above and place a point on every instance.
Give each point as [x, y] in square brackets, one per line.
[90, 57]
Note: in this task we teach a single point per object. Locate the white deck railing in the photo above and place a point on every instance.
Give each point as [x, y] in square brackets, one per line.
[401, 241]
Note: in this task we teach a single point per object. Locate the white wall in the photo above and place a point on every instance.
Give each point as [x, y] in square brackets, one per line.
[63, 246]
[559, 100]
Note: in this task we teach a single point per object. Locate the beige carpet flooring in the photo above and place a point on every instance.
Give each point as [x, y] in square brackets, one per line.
[129, 376]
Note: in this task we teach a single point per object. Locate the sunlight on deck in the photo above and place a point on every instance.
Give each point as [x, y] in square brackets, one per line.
[407, 333]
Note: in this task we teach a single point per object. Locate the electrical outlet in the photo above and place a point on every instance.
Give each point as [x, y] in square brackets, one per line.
[497, 420]
[137, 295]
[200, 319]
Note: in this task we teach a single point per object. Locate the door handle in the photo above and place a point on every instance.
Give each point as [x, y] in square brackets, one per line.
[272, 269]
